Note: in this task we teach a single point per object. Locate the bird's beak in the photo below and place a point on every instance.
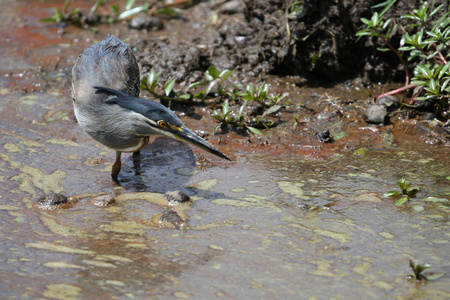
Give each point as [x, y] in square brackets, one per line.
[187, 135]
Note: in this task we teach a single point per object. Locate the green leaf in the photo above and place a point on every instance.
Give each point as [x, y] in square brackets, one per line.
[114, 8]
[365, 21]
[223, 72]
[391, 194]
[241, 110]
[153, 80]
[129, 4]
[144, 84]
[196, 84]
[200, 95]
[128, 13]
[169, 86]
[226, 107]
[401, 201]
[213, 72]
[48, 20]
[185, 96]
[255, 131]
[66, 5]
[433, 276]
[168, 11]
[226, 76]
[208, 76]
[412, 192]
[217, 128]
[250, 90]
[271, 110]
[428, 97]
[95, 6]
[423, 71]
[75, 11]
[264, 91]
[375, 19]
[444, 85]
[386, 24]
[387, 5]
[436, 10]
[363, 33]
[403, 184]
[435, 199]
[59, 16]
[211, 85]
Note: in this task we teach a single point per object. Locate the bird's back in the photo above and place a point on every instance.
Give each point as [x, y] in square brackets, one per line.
[110, 64]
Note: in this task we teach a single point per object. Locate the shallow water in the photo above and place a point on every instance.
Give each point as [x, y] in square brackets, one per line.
[288, 218]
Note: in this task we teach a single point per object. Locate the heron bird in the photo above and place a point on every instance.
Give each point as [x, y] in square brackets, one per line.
[105, 90]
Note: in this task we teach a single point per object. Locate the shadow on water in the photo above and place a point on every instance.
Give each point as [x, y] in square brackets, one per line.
[164, 165]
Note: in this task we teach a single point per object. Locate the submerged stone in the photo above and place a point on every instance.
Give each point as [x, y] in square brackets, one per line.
[52, 200]
[390, 102]
[175, 197]
[104, 200]
[376, 114]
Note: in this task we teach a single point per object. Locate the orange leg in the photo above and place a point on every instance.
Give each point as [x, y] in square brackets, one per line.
[116, 166]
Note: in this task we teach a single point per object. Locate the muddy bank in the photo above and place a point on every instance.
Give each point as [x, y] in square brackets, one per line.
[316, 40]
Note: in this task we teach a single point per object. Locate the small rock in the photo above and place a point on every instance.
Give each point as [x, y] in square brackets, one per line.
[52, 199]
[233, 7]
[171, 216]
[175, 197]
[376, 114]
[144, 21]
[390, 102]
[323, 136]
[104, 200]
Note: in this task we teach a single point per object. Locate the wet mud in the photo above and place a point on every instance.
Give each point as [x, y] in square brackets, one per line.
[291, 217]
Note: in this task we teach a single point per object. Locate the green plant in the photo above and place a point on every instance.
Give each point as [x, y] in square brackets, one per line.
[418, 269]
[420, 275]
[227, 117]
[218, 90]
[295, 11]
[407, 192]
[131, 11]
[261, 95]
[75, 17]
[427, 42]
[150, 83]
[215, 78]
[64, 15]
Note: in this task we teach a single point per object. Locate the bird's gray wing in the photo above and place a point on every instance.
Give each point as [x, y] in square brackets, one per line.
[150, 109]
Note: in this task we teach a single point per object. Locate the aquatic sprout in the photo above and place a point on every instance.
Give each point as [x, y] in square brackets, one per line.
[407, 192]
[419, 272]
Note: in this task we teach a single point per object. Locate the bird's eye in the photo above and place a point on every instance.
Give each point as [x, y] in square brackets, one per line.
[162, 124]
